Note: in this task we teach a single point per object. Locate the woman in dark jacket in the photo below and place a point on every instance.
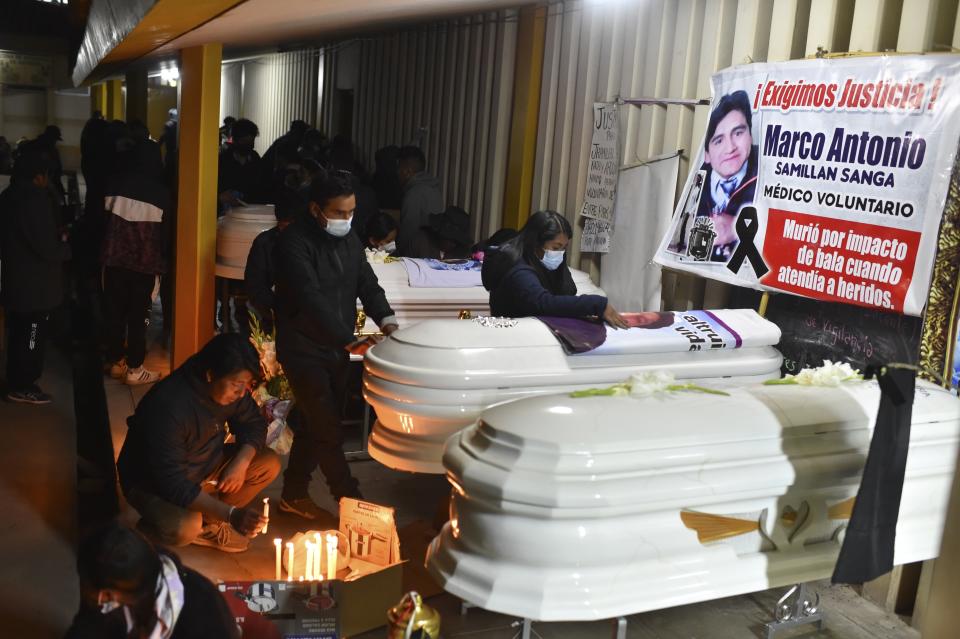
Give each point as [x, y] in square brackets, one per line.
[129, 590]
[528, 275]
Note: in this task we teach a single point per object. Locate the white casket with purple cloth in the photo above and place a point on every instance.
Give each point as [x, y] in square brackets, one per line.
[415, 295]
[430, 380]
[588, 508]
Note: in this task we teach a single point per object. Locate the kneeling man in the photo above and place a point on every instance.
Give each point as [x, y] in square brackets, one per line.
[175, 469]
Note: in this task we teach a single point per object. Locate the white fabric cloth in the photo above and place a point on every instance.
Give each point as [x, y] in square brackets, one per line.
[430, 273]
[170, 598]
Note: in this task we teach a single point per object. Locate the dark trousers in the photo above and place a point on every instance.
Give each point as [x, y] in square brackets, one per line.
[173, 525]
[319, 385]
[127, 294]
[26, 334]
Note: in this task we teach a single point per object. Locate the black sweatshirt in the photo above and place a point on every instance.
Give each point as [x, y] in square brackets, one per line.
[318, 280]
[175, 437]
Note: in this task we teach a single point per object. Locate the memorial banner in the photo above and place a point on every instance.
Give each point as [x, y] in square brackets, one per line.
[823, 178]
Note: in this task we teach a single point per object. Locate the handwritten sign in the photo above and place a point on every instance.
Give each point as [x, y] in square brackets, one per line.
[596, 236]
[604, 166]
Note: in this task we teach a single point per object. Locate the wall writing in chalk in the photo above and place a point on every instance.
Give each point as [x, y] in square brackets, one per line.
[814, 331]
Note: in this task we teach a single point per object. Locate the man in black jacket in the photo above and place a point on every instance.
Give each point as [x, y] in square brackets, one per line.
[321, 270]
[187, 485]
[33, 251]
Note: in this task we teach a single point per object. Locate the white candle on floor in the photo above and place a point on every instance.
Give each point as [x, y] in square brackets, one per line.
[331, 557]
[317, 572]
[266, 513]
[277, 542]
[308, 564]
[289, 561]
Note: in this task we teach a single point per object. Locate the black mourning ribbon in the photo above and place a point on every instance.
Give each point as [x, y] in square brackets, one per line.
[747, 226]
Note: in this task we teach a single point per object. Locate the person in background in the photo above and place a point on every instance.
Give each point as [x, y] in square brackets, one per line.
[446, 236]
[169, 141]
[174, 467]
[258, 276]
[381, 233]
[225, 132]
[386, 180]
[422, 197]
[280, 159]
[32, 250]
[134, 254]
[321, 270]
[46, 143]
[342, 158]
[130, 589]
[238, 175]
[529, 276]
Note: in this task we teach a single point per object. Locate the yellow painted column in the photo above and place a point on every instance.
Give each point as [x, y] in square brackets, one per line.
[518, 194]
[136, 108]
[196, 235]
[98, 98]
[114, 110]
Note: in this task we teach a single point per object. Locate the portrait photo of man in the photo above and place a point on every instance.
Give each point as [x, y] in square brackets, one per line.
[730, 161]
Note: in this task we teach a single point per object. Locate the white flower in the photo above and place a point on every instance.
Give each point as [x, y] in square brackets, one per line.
[644, 384]
[376, 256]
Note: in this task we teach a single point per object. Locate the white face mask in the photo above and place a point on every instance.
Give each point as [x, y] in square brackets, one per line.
[338, 228]
[389, 247]
[106, 607]
[551, 260]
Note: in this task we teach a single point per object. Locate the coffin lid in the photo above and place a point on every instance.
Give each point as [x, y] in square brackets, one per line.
[559, 434]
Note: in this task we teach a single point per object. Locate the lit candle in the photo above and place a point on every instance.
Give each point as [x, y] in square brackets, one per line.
[266, 513]
[277, 542]
[308, 565]
[289, 561]
[331, 557]
[318, 544]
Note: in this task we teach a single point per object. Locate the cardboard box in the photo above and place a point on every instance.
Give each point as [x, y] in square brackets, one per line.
[331, 609]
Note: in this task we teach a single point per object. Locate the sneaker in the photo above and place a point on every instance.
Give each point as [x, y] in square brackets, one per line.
[302, 507]
[223, 537]
[30, 396]
[140, 375]
[117, 369]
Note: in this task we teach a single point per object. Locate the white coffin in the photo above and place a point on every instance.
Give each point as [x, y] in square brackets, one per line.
[433, 379]
[580, 509]
[414, 305]
[236, 230]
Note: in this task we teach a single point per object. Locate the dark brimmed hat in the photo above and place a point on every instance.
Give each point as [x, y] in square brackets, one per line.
[453, 224]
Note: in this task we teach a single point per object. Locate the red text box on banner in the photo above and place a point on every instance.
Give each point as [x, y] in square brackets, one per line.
[838, 260]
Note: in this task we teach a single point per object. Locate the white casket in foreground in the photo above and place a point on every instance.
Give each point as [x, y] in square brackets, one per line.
[414, 305]
[429, 381]
[590, 508]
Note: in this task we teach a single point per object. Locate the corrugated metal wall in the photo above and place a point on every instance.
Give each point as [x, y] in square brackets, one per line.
[669, 49]
[447, 87]
[271, 90]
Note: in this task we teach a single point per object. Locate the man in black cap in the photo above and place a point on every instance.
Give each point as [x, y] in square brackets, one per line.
[730, 162]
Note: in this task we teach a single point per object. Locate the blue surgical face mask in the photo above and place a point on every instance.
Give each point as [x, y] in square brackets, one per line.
[389, 247]
[106, 607]
[338, 228]
[551, 260]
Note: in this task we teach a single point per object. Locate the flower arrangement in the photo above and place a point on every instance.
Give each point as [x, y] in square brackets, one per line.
[830, 374]
[376, 256]
[645, 385]
[274, 396]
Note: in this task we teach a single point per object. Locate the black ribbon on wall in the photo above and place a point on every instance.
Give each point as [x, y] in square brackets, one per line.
[746, 228]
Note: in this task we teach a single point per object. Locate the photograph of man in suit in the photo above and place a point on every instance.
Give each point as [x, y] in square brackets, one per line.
[730, 162]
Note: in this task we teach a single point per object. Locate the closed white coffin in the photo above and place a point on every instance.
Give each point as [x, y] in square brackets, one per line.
[577, 509]
[236, 230]
[433, 379]
[414, 305]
